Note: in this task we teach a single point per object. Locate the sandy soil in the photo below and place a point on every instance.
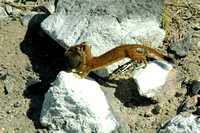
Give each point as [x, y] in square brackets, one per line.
[29, 63]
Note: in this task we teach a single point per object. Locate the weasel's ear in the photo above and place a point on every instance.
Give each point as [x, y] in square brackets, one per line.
[84, 43]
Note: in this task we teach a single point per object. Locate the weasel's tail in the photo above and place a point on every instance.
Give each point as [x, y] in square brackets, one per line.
[166, 58]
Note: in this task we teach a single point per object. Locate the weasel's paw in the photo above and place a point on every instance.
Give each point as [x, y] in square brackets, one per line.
[77, 76]
[73, 70]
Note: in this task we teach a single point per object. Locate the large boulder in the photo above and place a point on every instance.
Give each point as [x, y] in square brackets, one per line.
[106, 24]
[75, 105]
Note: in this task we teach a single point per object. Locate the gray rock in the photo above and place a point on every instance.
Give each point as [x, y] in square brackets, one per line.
[32, 18]
[9, 1]
[78, 105]
[9, 9]
[105, 25]
[30, 3]
[3, 14]
[180, 124]
[9, 86]
[16, 11]
[48, 7]
[196, 87]
[182, 47]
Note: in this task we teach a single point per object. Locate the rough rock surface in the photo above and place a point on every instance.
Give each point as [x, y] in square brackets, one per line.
[157, 81]
[180, 124]
[32, 18]
[104, 25]
[3, 14]
[77, 105]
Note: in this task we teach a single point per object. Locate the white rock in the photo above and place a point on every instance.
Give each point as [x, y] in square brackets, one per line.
[16, 11]
[105, 25]
[150, 79]
[76, 106]
[180, 124]
[198, 44]
[8, 9]
[3, 14]
[9, 1]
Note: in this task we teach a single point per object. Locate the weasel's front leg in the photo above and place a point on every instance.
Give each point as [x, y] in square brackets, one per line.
[77, 76]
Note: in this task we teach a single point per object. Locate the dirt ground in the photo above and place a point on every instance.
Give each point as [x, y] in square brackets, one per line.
[30, 62]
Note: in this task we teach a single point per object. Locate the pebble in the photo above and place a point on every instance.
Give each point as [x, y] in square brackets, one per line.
[196, 27]
[9, 9]
[148, 113]
[187, 15]
[182, 47]
[8, 86]
[29, 3]
[198, 44]
[16, 11]
[3, 14]
[191, 102]
[158, 108]
[196, 34]
[9, 1]
[17, 104]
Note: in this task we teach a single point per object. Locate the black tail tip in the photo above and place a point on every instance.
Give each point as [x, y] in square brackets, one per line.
[169, 59]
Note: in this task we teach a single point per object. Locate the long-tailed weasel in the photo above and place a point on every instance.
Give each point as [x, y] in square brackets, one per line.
[90, 63]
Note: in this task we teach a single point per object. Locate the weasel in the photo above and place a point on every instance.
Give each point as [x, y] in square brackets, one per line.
[90, 63]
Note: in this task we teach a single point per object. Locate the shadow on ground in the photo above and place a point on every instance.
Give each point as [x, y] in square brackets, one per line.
[47, 59]
[125, 90]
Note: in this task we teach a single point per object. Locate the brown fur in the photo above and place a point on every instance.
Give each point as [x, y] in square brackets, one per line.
[90, 63]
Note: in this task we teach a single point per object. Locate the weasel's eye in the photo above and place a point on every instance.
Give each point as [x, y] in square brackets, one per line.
[76, 49]
[83, 47]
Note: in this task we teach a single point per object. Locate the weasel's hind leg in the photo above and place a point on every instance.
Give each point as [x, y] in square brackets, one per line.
[138, 56]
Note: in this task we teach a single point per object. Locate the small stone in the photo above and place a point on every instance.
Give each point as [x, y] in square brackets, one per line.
[29, 68]
[17, 104]
[8, 86]
[9, 111]
[190, 102]
[182, 47]
[16, 11]
[148, 113]
[8, 9]
[195, 87]
[158, 109]
[198, 44]
[196, 34]
[196, 27]
[3, 14]
[187, 15]
[29, 3]
[9, 1]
